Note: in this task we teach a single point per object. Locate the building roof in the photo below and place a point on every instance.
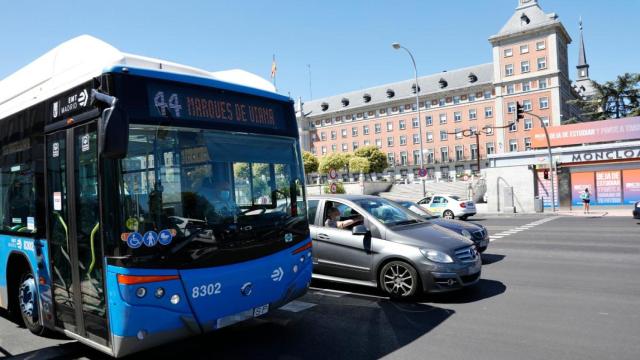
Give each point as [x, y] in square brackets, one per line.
[527, 17]
[582, 54]
[403, 90]
[84, 57]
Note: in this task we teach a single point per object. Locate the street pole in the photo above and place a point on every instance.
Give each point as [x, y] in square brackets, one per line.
[478, 150]
[551, 169]
[415, 73]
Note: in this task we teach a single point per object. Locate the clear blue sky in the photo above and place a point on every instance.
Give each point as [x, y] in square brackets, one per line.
[347, 43]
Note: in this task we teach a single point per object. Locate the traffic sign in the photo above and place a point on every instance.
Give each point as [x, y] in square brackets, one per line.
[333, 188]
[333, 174]
[422, 172]
[465, 177]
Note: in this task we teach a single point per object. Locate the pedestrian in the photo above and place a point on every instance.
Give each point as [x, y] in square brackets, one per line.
[586, 199]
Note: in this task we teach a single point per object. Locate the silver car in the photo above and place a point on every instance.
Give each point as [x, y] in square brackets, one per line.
[387, 247]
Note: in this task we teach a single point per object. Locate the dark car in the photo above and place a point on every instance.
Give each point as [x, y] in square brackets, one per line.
[371, 241]
[472, 231]
[636, 211]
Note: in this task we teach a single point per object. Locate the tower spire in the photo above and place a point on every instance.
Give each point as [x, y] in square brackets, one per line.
[583, 66]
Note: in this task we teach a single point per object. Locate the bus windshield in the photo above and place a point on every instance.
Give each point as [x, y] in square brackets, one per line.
[193, 197]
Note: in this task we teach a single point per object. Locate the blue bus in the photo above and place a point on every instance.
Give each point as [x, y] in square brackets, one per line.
[143, 205]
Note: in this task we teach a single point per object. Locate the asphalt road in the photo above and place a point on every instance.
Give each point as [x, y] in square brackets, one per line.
[552, 288]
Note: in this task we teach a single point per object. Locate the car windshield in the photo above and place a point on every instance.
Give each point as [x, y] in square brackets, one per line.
[417, 209]
[216, 193]
[388, 212]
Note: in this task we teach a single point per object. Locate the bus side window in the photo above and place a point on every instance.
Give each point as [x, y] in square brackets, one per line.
[17, 199]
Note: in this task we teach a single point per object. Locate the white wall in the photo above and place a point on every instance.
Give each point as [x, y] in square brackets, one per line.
[518, 177]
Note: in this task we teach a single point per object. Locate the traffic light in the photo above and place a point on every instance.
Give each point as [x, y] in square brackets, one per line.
[519, 111]
[546, 174]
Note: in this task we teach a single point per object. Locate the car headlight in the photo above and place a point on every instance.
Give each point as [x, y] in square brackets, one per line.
[466, 234]
[436, 256]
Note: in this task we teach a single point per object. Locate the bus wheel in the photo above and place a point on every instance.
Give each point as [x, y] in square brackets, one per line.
[28, 303]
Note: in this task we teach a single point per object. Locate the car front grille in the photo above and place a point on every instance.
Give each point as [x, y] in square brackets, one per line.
[467, 254]
[480, 234]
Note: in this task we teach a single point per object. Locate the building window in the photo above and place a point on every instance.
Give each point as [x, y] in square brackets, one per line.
[457, 116]
[382, 111]
[542, 84]
[334, 135]
[348, 117]
[511, 107]
[314, 137]
[403, 158]
[429, 120]
[513, 127]
[323, 136]
[402, 125]
[345, 148]
[508, 70]
[324, 150]
[544, 102]
[511, 89]
[444, 154]
[456, 99]
[403, 140]
[367, 143]
[458, 133]
[459, 153]
[359, 115]
[355, 145]
[443, 135]
[527, 144]
[365, 130]
[513, 145]
[526, 105]
[545, 120]
[389, 126]
[416, 138]
[354, 131]
[429, 136]
[508, 52]
[542, 63]
[540, 45]
[377, 128]
[430, 156]
[378, 143]
[394, 109]
[389, 140]
[487, 94]
[416, 157]
[443, 118]
[472, 97]
[524, 49]
[472, 114]
[391, 158]
[415, 123]
[524, 66]
[474, 151]
[334, 148]
[442, 102]
[490, 149]
[526, 86]
[344, 133]
[313, 150]
[488, 112]
[528, 124]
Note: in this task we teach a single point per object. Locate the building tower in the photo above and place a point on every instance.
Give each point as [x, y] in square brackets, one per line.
[583, 83]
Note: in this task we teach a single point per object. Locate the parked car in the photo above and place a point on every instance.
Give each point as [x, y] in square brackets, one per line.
[387, 247]
[449, 206]
[472, 231]
[636, 211]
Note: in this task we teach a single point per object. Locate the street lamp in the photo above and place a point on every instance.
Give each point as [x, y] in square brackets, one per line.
[397, 46]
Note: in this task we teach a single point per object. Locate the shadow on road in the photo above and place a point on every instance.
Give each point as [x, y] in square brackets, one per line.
[488, 259]
[482, 290]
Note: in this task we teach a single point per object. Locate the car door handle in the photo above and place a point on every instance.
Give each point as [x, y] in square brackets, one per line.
[323, 237]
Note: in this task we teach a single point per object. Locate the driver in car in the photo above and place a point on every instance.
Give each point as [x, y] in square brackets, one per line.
[334, 215]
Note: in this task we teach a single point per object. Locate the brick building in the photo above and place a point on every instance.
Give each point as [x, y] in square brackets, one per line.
[530, 66]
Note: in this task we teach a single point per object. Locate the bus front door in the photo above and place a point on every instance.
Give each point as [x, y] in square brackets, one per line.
[74, 233]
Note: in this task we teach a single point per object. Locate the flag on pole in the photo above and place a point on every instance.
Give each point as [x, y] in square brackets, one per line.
[274, 68]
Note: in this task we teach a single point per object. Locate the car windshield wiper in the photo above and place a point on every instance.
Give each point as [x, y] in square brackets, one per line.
[406, 222]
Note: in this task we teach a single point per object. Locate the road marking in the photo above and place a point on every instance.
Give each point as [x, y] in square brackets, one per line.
[297, 306]
[340, 293]
[520, 228]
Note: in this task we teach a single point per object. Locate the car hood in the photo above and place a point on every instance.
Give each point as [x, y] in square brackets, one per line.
[456, 225]
[428, 235]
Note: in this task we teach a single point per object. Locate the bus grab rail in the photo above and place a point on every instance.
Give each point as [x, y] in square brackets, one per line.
[93, 248]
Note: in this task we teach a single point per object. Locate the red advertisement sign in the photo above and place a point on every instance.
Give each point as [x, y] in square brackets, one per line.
[608, 187]
[579, 182]
[631, 186]
[589, 132]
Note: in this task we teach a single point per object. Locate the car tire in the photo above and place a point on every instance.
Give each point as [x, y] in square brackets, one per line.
[27, 301]
[399, 280]
[448, 214]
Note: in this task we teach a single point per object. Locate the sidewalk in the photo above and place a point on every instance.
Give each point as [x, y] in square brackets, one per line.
[596, 211]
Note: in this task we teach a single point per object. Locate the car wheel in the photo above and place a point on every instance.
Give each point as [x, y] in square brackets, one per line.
[399, 280]
[448, 214]
[28, 303]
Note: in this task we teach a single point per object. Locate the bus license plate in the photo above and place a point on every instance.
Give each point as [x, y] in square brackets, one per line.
[260, 310]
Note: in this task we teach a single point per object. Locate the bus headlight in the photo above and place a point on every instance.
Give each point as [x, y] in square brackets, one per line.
[159, 292]
[175, 299]
[141, 292]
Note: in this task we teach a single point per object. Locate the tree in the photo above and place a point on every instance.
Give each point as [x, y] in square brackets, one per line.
[377, 159]
[612, 99]
[310, 162]
[333, 161]
[359, 165]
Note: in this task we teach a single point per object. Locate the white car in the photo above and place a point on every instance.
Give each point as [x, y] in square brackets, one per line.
[449, 206]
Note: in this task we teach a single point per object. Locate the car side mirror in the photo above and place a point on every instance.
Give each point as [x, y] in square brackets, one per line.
[360, 230]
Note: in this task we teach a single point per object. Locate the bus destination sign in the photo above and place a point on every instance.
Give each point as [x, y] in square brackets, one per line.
[213, 105]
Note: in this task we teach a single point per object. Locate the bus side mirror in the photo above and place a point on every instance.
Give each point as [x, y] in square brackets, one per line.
[113, 128]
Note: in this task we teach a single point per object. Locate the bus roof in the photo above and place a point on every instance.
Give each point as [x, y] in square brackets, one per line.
[84, 57]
